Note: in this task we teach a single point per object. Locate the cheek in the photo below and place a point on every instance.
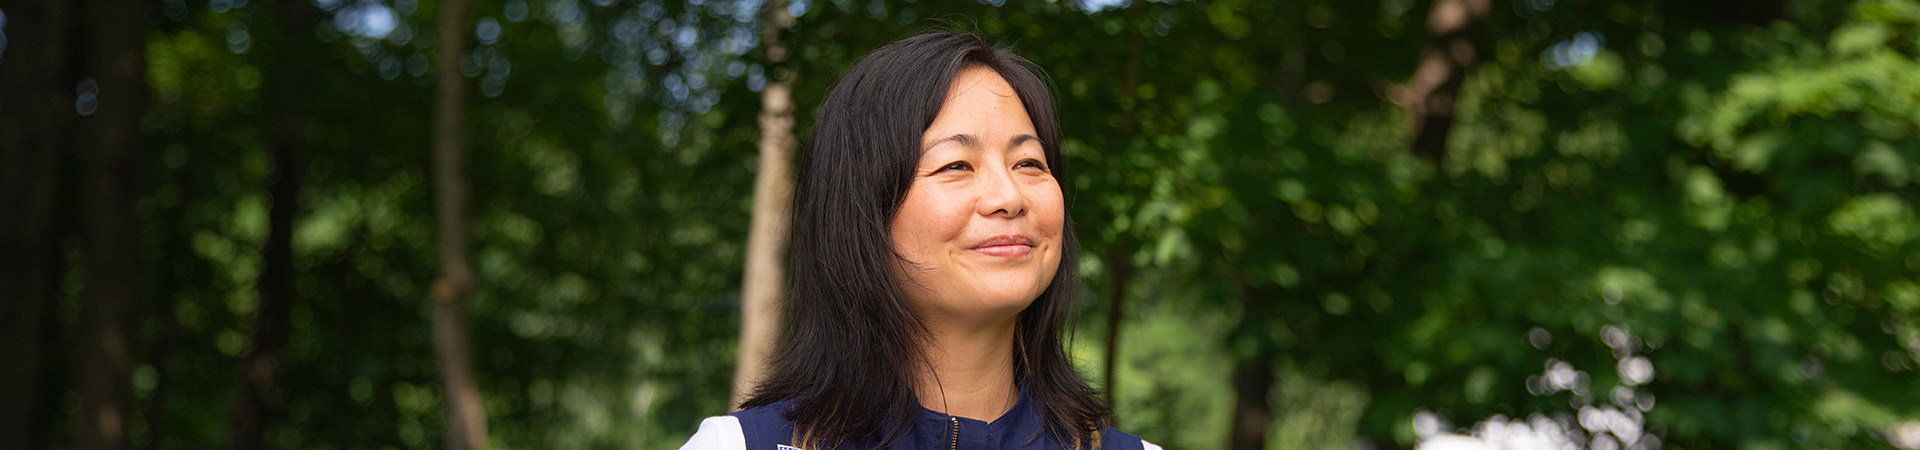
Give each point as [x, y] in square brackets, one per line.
[926, 220]
[1049, 209]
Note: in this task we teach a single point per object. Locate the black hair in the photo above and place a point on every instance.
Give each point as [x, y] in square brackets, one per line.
[851, 346]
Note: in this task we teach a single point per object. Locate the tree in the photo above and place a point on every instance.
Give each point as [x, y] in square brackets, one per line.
[765, 279]
[1118, 257]
[111, 146]
[1448, 57]
[466, 424]
[36, 114]
[255, 394]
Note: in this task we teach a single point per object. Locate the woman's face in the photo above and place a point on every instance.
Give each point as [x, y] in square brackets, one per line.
[980, 227]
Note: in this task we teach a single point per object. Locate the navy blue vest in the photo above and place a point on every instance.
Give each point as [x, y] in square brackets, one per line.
[766, 428]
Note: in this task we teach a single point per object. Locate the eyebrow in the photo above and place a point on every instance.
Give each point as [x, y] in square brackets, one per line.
[969, 141]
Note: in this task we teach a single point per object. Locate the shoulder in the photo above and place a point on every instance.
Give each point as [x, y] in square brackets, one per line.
[760, 427]
[766, 426]
[718, 433]
[1114, 439]
[770, 418]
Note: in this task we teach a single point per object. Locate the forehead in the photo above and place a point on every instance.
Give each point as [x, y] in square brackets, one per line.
[980, 81]
[980, 101]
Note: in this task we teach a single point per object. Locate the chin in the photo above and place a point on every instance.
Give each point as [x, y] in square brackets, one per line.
[1010, 300]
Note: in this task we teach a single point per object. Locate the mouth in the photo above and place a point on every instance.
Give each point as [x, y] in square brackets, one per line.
[1009, 246]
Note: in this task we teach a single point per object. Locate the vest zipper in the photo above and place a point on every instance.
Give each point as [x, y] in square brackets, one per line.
[956, 433]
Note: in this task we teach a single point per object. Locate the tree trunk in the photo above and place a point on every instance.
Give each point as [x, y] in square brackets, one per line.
[1252, 385]
[1120, 271]
[765, 276]
[178, 270]
[109, 163]
[1119, 266]
[466, 420]
[1253, 378]
[1443, 65]
[255, 397]
[34, 112]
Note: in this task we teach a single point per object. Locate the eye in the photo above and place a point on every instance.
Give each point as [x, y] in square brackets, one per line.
[1031, 163]
[956, 165]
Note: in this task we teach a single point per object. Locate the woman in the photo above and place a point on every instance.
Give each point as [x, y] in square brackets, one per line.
[933, 266]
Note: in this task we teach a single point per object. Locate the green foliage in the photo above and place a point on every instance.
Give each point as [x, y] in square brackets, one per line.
[1735, 189]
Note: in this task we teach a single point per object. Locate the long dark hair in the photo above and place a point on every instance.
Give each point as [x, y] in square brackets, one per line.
[852, 345]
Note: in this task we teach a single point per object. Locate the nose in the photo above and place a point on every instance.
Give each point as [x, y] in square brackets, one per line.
[1000, 195]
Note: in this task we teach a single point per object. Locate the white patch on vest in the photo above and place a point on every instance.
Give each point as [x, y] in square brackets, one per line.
[785, 447]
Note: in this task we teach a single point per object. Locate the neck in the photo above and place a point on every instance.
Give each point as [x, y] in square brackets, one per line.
[972, 370]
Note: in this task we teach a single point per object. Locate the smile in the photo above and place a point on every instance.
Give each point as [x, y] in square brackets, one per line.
[1004, 246]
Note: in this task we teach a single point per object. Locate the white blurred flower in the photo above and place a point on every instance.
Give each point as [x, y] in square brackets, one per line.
[1636, 371]
[1905, 436]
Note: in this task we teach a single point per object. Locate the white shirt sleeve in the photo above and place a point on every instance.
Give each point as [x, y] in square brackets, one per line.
[1148, 445]
[720, 433]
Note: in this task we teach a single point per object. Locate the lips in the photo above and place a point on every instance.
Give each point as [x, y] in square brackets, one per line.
[1010, 246]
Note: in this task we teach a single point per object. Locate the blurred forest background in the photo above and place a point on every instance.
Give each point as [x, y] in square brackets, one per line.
[1308, 223]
